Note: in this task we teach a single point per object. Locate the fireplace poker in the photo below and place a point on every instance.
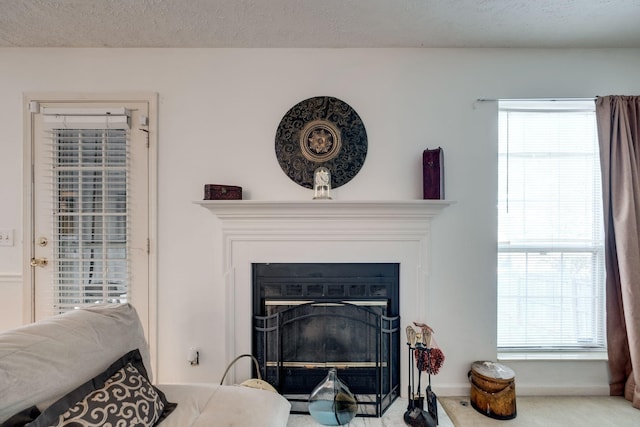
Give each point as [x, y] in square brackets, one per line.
[419, 366]
[411, 341]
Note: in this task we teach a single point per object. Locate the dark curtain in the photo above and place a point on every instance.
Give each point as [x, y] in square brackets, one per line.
[618, 119]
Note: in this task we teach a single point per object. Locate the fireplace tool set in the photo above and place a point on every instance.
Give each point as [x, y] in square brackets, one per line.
[429, 359]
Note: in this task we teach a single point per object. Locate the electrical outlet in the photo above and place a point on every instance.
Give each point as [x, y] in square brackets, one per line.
[6, 237]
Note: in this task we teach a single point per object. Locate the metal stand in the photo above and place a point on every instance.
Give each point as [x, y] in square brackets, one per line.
[415, 415]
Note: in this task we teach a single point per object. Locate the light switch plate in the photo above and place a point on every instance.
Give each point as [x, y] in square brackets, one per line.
[6, 237]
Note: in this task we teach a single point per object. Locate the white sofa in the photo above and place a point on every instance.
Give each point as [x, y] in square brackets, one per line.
[44, 361]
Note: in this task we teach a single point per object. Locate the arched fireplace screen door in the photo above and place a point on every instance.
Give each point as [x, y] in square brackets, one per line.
[345, 317]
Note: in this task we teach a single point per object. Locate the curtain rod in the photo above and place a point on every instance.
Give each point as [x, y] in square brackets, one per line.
[534, 99]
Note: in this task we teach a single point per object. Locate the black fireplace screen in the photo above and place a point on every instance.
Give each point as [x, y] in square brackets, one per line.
[312, 317]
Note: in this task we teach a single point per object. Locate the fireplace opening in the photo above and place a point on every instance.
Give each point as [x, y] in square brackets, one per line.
[309, 317]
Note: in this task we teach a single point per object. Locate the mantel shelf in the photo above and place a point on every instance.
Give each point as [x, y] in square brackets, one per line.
[324, 209]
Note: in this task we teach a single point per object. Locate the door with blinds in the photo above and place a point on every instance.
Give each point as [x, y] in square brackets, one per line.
[89, 205]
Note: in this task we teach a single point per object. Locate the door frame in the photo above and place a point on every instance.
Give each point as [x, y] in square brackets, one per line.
[28, 295]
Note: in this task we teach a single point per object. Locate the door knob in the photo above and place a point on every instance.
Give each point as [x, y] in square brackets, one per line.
[39, 262]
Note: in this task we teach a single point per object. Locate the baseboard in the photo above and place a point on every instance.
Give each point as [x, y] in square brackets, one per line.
[531, 390]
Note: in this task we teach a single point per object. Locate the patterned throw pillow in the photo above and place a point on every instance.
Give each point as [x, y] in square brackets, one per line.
[122, 395]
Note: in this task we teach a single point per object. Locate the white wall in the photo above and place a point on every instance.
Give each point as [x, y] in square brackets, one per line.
[219, 110]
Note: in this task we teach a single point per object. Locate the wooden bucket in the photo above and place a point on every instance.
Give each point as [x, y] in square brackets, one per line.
[493, 390]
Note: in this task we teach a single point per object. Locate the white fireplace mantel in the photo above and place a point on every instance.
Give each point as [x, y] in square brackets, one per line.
[318, 220]
[254, 231]
[324, 209]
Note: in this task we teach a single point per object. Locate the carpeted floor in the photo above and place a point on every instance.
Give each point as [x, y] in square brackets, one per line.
[561, 411]
[532, 411]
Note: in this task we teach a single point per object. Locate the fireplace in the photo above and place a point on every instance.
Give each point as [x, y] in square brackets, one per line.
[247, 232]
[309, 317]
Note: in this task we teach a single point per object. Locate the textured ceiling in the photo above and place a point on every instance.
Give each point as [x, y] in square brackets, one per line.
[320, 23]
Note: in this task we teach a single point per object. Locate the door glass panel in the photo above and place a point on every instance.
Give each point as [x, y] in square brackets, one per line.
[91, 218]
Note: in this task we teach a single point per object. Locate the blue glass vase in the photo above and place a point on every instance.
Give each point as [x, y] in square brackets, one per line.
[331, 403]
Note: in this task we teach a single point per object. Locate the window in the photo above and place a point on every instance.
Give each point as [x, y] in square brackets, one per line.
[550, 233]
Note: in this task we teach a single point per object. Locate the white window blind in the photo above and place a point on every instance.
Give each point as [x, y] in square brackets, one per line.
[90, 218]
[550, 232]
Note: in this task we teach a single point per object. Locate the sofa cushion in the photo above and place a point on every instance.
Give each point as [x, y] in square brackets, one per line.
[121, 395]
[22, 418]
[206, 405]
[42, 361]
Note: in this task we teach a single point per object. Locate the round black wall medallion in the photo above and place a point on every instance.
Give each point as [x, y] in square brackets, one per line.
[321, 131]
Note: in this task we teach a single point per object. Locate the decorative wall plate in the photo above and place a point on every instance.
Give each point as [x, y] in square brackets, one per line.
[321, 131]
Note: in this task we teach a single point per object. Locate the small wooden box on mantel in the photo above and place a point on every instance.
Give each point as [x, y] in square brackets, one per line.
[222, 192]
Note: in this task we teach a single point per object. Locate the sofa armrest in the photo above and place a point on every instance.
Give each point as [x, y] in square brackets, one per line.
[43, 361]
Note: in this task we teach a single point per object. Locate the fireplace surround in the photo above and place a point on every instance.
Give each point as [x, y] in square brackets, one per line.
[329, 231]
